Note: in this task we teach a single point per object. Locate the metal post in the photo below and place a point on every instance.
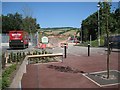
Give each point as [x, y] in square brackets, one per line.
[90, 40]
[98, 26]
[81, 35]
[88, 49]
[65, 50]
[30, 36]
[37, 38]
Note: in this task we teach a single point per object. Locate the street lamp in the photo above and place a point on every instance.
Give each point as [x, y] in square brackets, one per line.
[98, 25]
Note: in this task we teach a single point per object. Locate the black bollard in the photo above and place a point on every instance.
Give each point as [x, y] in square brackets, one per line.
[88, 49]
[65, 50]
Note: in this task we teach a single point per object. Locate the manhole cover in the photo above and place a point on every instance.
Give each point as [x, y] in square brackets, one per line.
[100, 78]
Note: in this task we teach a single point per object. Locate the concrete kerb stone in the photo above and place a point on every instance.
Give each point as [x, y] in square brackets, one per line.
[16, 83]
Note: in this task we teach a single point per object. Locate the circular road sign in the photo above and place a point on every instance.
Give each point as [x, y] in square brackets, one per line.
[44, 40]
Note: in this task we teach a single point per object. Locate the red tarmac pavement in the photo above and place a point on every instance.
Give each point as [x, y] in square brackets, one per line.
[40, 76]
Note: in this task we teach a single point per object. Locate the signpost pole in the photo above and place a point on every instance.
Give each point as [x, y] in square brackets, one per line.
[44, 40]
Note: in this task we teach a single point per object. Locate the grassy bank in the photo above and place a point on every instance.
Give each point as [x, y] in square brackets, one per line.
[93, 43]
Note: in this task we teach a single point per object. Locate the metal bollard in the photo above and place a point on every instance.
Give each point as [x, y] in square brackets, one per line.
[88, 49]
[65, 51]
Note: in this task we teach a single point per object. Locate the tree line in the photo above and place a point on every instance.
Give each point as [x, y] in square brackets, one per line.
[18, 22]
[89, 26]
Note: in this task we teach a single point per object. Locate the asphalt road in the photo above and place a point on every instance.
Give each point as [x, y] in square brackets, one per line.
[5, 47]
[79, 50]
[73, 50]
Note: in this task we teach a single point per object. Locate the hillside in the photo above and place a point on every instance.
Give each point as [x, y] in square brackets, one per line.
[59, 31]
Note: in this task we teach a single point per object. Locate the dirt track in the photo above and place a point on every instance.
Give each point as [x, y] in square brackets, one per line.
[55, 41]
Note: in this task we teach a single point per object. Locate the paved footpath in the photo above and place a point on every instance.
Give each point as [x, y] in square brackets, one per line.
[40, 76]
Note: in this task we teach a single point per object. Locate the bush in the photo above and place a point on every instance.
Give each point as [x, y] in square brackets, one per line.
[93, 43]
[3, 60]
[6, 76]
[40, 59]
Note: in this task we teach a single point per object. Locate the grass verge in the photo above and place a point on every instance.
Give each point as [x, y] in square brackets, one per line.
[6, 76]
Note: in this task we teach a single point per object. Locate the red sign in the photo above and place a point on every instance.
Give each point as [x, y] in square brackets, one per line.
[43, 46]
[15, 36]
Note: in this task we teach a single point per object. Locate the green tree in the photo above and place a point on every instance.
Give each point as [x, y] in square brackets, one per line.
[107, 24]
[89, 27]
[11, 22]
[117, 17]
[17, 22]
[38, 26]
[29, 24]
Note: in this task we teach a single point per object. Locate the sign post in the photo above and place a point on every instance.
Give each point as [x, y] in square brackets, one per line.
[44, 40]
